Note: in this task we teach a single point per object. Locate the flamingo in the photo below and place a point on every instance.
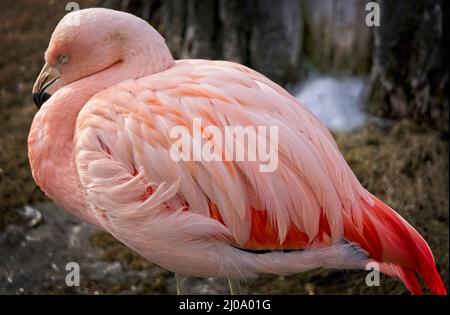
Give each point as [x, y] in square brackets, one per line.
[99, 146]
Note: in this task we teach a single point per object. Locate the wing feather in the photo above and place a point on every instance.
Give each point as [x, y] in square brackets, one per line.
[123, 151]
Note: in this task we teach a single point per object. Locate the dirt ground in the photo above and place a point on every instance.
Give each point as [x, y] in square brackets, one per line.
[405, 165]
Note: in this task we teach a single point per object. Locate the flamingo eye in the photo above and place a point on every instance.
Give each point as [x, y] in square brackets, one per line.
[63, 59]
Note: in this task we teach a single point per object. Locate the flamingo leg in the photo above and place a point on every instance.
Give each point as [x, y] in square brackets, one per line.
[181, 284]
[235, 286]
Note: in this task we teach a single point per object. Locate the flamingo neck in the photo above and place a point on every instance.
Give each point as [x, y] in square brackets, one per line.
[50, 142]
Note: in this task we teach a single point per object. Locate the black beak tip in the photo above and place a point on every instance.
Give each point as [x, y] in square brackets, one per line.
[40, 98]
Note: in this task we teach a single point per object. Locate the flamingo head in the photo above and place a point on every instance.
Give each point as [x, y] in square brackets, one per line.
[89, 41]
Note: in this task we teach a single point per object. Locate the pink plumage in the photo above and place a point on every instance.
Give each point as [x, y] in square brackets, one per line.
[100, 147]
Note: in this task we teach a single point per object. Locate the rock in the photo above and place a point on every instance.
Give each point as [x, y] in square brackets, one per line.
[32, 215]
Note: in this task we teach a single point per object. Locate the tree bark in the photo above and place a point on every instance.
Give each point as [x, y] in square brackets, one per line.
[276, 39]
[336, 36]
[410, 73]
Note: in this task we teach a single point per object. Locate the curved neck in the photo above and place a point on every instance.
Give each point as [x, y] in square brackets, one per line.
[50, 142]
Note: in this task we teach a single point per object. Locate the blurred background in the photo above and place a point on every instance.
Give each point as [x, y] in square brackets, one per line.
[383, 91]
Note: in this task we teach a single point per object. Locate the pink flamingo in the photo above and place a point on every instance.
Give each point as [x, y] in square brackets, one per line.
[99, 146]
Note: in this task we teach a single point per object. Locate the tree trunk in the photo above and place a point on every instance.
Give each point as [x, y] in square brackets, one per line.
[336, 36]
[410, 73]
[276, 39]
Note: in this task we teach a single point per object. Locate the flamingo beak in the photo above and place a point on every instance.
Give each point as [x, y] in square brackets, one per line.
[47, 77]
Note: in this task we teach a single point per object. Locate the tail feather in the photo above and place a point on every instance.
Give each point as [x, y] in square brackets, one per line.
[406, 275]
[397, 246]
